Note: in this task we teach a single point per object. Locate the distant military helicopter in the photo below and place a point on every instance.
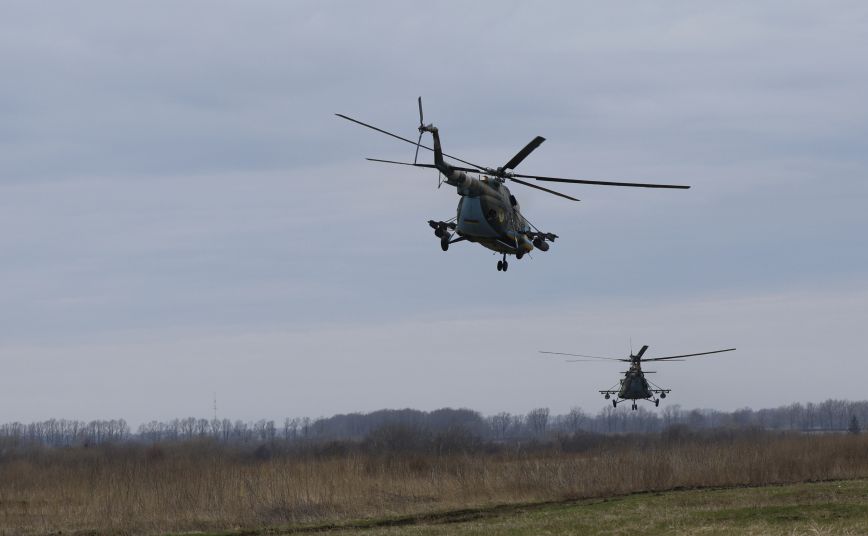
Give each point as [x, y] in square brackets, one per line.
[488, 213]
[635, 386]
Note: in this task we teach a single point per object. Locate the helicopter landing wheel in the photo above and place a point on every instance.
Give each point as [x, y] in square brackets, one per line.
[499, 266]
[505, 265]
[657, 403]
[444, 242]
[634, 406]
[615, 403]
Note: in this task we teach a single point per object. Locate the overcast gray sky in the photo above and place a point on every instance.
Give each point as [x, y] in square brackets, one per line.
[182, 213]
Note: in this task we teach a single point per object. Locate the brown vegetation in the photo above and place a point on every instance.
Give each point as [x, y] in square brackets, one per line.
[208, 486]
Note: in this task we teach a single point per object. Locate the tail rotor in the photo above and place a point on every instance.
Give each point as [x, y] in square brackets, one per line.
[421, 131]
[419, 141]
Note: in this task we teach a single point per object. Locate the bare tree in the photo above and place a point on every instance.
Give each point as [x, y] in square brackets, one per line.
[575, 420]
[499, 424]
[854, 427]
[537, 421]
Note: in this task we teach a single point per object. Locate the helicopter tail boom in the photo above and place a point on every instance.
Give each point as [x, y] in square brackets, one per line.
[454, 177]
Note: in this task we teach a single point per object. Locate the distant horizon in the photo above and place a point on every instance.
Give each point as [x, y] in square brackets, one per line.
[644, 408]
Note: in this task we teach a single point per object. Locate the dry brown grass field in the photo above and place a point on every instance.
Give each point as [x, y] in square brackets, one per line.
[210, 487]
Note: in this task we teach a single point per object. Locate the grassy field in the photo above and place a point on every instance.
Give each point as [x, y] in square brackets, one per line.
[839, 508]
[208, 488]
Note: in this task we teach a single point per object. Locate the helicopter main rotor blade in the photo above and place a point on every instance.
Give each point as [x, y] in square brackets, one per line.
[583, 355]
[544, 189]
[603, 183]
[387, 133]
[582, 361]
[641, 352]
[521, 155]
[688, 355]
[472, 170]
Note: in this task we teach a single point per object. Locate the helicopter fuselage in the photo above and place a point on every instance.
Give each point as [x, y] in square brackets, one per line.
[634, 386]
[489, 215]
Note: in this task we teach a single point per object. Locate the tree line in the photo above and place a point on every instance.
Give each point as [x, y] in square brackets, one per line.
[408, 425]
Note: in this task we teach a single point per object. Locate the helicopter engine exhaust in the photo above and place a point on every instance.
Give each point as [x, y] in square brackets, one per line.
[540, 244]
[440, 228]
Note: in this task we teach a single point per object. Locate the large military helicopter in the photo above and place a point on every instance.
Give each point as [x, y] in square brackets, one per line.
[488, 213]
[634, 386]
